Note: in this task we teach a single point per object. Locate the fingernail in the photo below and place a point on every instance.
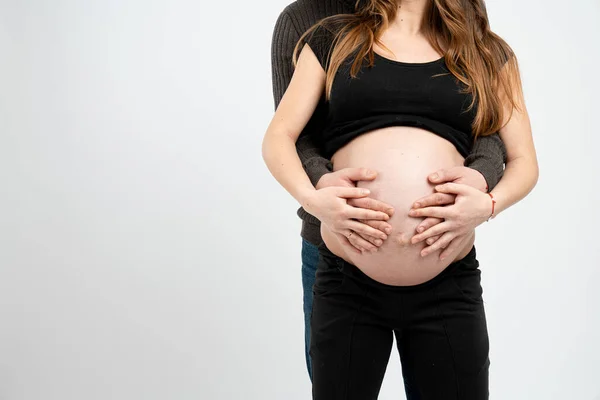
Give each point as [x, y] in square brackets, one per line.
[429, 241]
[378, 242]
[442, 257]
[412, 213]
[434, 176]
[420, 229]
[370, 172]
[365, 191]
[417, 205]
[390, 210]
[388, 230]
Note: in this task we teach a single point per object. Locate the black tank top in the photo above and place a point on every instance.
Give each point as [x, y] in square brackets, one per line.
[392, 93]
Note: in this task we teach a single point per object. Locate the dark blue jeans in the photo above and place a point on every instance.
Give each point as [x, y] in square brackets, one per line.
[310, 259]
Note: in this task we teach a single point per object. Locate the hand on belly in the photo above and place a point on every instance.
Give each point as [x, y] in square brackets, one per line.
[403, 158]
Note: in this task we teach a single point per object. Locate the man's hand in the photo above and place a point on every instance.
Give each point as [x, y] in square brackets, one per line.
[458, 174]
[368, 233]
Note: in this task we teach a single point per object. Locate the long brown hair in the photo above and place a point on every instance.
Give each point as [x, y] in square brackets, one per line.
[475, 55]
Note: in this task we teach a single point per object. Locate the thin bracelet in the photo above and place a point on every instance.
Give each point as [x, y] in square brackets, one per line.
[493, 206]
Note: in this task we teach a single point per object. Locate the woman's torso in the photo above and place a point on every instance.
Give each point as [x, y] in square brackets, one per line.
[405, 120]
[403, 158]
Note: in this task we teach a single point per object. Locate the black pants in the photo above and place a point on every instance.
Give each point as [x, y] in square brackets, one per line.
[440, 330]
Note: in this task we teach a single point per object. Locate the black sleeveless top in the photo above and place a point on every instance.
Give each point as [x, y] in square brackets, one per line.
[392, 93]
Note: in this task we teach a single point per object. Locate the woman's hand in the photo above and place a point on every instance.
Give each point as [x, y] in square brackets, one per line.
[458, 174]
[471, 207]
[362, 238]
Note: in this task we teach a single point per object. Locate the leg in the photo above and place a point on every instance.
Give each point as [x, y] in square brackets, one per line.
[444, 347]
[350, 345]
[310, 258]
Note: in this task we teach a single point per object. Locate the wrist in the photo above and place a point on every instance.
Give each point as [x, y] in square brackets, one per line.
[321, 181]
[305, 196]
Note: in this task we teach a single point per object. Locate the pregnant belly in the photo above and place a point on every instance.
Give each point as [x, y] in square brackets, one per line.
[403, 158]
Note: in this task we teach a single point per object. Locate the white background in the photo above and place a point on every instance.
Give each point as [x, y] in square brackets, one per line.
[147, 253]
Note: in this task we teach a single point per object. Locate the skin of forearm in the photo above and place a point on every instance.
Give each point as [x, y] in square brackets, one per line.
[284, 39]
[281, 158]
[520, 177]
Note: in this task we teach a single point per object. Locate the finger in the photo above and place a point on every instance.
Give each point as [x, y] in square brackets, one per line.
[357, 240]
[363, 213]
[444, 175]
[365, 229]
[432, 239]
[379, 225]
[371, 239]
[358, 174]
[428, 223]
[346, 243]
[434, 199]
[372, 204]
[439, 244]
[433, 231]
[439, 212]
[351, 192]
[457, 188]
[454, 244]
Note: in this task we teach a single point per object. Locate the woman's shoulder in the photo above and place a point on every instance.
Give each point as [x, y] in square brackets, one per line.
[321, 38]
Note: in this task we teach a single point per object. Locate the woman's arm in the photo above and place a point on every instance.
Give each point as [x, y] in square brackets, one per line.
[293, 112]
[285, 37]
[279, 153]
[318, 168]
[522, 169]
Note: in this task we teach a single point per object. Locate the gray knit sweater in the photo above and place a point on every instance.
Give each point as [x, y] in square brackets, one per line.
[487, 156]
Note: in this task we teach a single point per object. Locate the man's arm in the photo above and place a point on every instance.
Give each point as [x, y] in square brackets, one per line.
[285, 37]
[488, 157]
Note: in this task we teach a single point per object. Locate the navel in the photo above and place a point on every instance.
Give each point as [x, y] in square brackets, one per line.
[402, 239]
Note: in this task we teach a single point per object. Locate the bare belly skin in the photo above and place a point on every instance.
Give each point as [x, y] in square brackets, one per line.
[403, 157]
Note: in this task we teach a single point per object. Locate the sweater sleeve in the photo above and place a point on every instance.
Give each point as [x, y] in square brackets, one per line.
[488, 157]
[285, 36]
